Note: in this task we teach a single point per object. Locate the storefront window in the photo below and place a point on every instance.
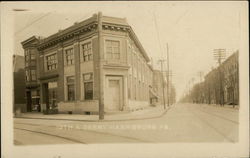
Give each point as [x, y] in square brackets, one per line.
[52, 87]
[88, 90]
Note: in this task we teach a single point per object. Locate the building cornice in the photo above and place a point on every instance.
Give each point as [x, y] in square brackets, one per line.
[30, 42]
[60, 37]
[88, 25]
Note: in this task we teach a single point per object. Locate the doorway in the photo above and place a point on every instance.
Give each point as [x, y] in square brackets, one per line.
[113, 99]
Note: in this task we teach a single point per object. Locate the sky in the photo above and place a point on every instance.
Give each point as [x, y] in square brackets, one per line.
[191, 29]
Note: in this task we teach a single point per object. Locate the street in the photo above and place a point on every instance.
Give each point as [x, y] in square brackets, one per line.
[181, 123]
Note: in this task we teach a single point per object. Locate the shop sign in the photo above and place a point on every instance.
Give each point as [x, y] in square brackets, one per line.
[52, 85]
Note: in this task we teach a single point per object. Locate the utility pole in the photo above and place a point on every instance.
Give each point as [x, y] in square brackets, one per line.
[167, 74]
[101, 97]
[200, 74]
[220, 54]
[163, 89]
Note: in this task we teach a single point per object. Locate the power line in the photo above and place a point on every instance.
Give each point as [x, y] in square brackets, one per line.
[163, 84]
[158, 36]
[25, 27]
[168, 73]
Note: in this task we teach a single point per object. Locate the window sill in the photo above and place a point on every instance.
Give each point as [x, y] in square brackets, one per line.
[86, 61]
[69, 65]
[90, 100]
[70, 101]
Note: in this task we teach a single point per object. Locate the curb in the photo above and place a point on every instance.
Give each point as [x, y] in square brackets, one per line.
[132, 119]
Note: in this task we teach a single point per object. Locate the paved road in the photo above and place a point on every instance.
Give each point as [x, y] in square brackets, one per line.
[182, 123]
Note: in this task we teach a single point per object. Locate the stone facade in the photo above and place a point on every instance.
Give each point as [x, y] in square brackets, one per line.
[78, 65]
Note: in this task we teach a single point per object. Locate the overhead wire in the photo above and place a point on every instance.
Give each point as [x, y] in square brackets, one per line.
[28, 25]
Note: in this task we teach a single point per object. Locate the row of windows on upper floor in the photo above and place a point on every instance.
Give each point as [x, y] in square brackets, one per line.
[30, 58]
[30, 75]
[112, 51]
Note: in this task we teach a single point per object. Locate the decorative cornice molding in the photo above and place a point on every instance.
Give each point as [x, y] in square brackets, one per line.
[115, 27]
[62, 37]
[77, 31]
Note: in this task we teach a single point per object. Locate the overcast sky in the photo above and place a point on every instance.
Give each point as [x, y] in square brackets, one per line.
[191, 29]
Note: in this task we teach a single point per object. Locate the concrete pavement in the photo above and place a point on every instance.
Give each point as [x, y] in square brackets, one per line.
[182, 123]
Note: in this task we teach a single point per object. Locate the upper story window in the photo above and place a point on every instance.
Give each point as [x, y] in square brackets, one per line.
[26, 54]
[51, 62]
[69, 56]
[32, 55]
[33, 75]
[87, 52]
[27, 75]
[26, 63]
[32, 63]
[112, 49]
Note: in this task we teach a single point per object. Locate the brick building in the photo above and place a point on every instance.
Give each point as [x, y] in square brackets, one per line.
[97, 60]
[19, 84]
[231, 79]
[226, 76]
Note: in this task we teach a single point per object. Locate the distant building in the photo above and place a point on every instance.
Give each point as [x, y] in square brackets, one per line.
[229, 72]
[231, 79]
[19, 84]
[63, 70]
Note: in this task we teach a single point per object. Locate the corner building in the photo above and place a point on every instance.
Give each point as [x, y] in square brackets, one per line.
[98, 57]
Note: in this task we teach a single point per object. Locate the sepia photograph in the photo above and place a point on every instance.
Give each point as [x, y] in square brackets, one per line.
[125, 79]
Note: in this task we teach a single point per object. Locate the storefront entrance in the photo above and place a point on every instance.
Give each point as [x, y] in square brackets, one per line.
[33, 100]
[52, 90]
[50, 95]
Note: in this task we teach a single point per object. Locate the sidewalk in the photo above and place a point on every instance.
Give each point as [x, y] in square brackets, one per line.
[225, 106]
[147, 113]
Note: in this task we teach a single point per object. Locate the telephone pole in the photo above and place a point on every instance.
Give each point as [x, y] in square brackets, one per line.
[163, 85]
[101, 94]
[200, 74]
[169, 75]
[168, 85]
